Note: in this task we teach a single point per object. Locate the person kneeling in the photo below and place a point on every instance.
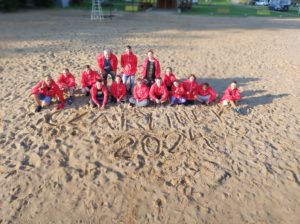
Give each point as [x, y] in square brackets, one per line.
[158, 92]
[99, 95]
[231, 96]
[178, 93]
[43, 93]
[118, 90]
[66, 83]
[206, 94]
[140, 94]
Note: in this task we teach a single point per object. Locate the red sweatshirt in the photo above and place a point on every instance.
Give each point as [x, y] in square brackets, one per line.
[156, 65]
[89, 79]
[68, 81]
[156, 91]
[168, 79]
[141, 93]
[94, 91]
[51, 91]
[118, 90]
[113, 62]
[129, 63]
[191, 89]
[209, 91]
[179, 91]
[231, 94]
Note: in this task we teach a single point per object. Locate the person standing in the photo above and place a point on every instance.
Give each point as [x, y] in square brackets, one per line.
[108, 64]
[150, 69]
[129, 67]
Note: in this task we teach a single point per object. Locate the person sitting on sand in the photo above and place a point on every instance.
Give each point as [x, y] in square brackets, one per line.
[190, 85]
[129, 67]
[66, 82]
[99, 95]
[44, 91]
[108, 64]
[150, 69]
[140, 94]
[168, 78]
[206, 94]
[118, 90]
[158, 92]
[178, 93]
[88, 79]
[231, 96]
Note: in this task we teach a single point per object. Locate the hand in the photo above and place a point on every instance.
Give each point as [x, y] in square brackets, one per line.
[102, 107]
[42, 86]
[99, 107]
[119, 100]
[157, 101]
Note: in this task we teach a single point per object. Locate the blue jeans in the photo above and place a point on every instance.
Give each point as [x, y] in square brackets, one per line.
[180, 100]
[131, 80]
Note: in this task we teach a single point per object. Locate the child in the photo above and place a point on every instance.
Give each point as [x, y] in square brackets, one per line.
[178, 93]
[150, 69]
[231, 96]
[206, 94]
[168, 78]
[99, 95]
[88, 79]
[140, 94]
[118, 90]
[43, 93]
[158, 92]
[66, 83]
[190, 85]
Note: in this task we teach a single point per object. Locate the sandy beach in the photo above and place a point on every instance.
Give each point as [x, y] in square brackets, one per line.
[191, 164]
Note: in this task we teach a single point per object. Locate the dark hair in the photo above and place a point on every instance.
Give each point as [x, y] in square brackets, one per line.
[169, 68]
[118, 76]
[66, 69]
[158, 78]
[128, 47]
[150, 51]
[176, 80]
[192, 75]
[206, 84]
[88, 66]
[99, 80]
[233, 82]
[139, 79]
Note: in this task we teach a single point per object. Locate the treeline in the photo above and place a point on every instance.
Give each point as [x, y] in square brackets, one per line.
[13, 5]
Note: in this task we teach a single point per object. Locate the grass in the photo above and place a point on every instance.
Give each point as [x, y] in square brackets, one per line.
[224, 8]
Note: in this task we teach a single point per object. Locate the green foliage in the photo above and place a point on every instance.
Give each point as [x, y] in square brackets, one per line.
[9, 5]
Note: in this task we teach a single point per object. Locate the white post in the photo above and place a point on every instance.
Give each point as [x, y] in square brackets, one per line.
[96, 13]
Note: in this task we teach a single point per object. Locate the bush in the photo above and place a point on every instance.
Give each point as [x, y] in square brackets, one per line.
[43, 3]
[9, 5]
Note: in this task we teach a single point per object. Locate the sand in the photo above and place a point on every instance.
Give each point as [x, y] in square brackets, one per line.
[151, 165]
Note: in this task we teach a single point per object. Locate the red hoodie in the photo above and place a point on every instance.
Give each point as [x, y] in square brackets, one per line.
[141, 93]
[89, 79]
[94, 91]
[118, 90]
[179, 91]
[113, 62]
[156, 91]
[68, 81]
[156, 65]
[209, 91]
[191, 89]
[230, 94]
[51, 91]
[168, 79]
[129, 63]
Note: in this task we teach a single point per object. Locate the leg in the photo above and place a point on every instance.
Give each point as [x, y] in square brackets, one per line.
[104, 76]
[124, 79]
[173, 100]
[142, 103]
[36, 99]
[132, 77]
[181, 100]
[113, 99]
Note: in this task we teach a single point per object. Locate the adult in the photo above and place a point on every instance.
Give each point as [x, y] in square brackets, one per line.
[190, 85]
[168, 78]
[178, 93]
[129, 67]
[231, 96]
[150, 69]
[67, 83]
[140, 94]
[118, 90]
[88, 79]
[99, 95]
[158, 92]
[43, 92]
[108, 64]
[206, 94]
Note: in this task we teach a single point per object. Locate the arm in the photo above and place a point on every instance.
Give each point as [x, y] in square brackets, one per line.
[165, 94]
[145, 93]
[123, 92]
[213, 95]
[157, 69]
[72, 81]
[144, 68]
[236, 95]
[105, 93]
[60, 81]
[59, 93]
[36, 88]
[152, 95]
[82, 80]
[93, 96]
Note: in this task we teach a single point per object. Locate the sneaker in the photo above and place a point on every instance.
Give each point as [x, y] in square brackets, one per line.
[38, 109]
[87, 94]
[131, 104]
[238, 110]
[70, 100]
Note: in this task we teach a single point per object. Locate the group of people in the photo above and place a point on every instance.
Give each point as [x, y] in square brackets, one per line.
[140, 92]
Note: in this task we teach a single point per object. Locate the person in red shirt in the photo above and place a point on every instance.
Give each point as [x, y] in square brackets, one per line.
[129, 67]
[206, 94]
[140, 94]
[66, 82]
[44, 91]
[108, 64]
[191, 86]
[99, 95]
[168, 78]
[118, 90]
[158, 92]
[178, 93]
[150, 69]
[88, 79]
[231, 96]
